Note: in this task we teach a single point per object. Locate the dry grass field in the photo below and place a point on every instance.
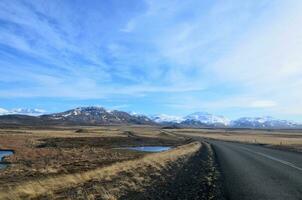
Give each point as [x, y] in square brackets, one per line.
[135, 175]
[89, 163]
[47, 159]
[285, 139]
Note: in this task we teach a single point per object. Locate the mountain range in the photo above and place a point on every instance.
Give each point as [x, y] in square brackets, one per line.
[101, 116]
[203, 119]
[78, 116]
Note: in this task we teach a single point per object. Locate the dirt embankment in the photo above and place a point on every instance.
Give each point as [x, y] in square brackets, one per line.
[198, 178]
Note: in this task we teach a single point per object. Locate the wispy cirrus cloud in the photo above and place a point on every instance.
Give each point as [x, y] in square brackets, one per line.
[224, 56]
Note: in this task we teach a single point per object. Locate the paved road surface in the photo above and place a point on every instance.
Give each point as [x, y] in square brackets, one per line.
[257, 173]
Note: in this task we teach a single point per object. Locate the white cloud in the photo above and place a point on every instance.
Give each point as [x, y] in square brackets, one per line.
[174, 47]
[263, 104]
[266, 61]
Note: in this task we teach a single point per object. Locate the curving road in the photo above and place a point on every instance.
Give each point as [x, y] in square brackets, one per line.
[253, 172]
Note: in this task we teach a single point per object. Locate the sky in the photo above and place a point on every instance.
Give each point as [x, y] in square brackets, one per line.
[228, 57]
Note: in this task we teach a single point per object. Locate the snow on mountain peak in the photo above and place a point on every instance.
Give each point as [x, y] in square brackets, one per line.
[202, 117]
[22, 111]
[263, 122]
[166, 118]
[3, 111]
[208, 118]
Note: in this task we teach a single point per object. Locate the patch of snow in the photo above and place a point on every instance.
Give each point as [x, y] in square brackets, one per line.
[264, 122]
[3, 111]
[207, 118]
[23, 111]
[66, 115]
[166, 118]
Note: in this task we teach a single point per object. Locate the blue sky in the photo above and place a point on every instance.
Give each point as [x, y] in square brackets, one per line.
[230, 57]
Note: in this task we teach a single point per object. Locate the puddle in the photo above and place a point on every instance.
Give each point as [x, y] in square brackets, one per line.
[4, 153]
[149, 148]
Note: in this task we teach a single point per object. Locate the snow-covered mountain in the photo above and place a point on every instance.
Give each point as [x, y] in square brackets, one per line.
[197, 119]
[28, 111]
[208, 119]
[22, 111]
[263, 122]
[3, 111]
[203, 119]
[96, 115]
[163, 118]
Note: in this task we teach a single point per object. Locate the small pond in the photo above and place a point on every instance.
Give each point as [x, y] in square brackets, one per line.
[149, 148]
[4, 153]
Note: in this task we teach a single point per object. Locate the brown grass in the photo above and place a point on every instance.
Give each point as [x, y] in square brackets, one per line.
[53, 151]
[286, 139]
[116, 178]
[30, 163]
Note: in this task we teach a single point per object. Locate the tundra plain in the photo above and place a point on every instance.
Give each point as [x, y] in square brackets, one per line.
[289, 139]
[89, 162]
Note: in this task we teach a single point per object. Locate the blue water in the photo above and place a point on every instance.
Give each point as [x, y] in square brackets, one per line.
[2, 154]
[150, 148]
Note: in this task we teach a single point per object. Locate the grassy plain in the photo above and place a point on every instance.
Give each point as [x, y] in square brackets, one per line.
[71, 162]
[283, 139]
[87, 162]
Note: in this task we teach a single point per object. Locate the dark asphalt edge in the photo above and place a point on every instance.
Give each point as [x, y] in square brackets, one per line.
[218, 177]
[220, 189]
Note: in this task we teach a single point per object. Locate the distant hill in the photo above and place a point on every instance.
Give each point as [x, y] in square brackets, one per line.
[16, 119]
[78, 116]
[264, 122]
[163, 118]
[196, 120]
[206, 120]
[22, 111]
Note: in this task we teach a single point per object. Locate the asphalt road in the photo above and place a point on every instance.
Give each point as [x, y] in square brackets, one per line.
[257, 173]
